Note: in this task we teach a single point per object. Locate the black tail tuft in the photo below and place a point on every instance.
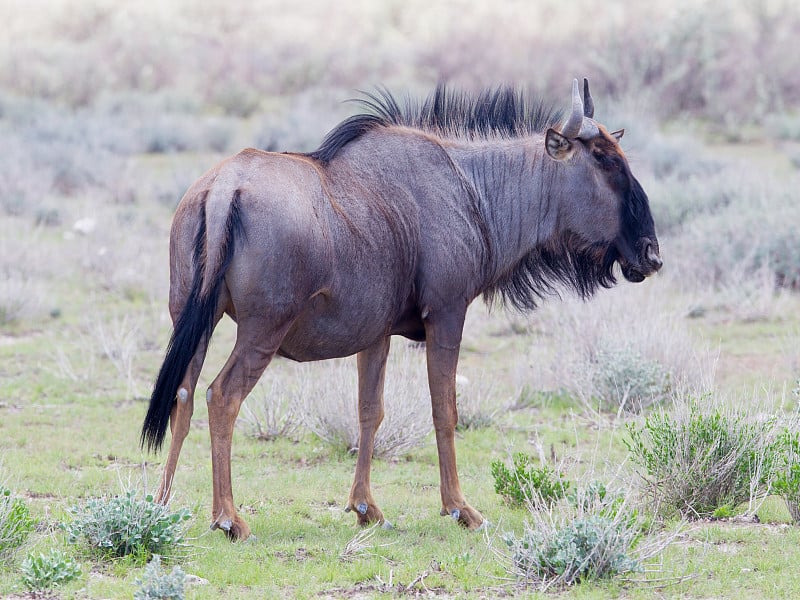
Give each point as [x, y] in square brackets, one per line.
[194, 325]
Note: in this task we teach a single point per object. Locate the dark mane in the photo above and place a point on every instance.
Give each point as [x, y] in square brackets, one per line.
[545, 271]
[505, 112]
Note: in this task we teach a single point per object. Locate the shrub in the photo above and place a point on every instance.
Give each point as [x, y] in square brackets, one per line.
[158, 585]
[754, 232]
[15, 522]
[626, 381]
[272, 411]
[44, 571]
[593, 535]
[696, 461]
[593, 547]
[330, 407]
[787, 478]
[614, 363]
[127, 525]
[525, 483]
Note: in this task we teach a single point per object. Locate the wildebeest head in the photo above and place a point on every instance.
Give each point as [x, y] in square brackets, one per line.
[607, 211]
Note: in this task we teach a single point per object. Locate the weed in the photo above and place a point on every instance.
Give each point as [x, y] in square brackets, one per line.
[698, 461]
[158, 585]
[524, 483]
[127, 525]
[45, 571]
[15, 522]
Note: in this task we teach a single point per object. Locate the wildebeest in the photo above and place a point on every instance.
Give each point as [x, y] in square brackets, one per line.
[402, 217]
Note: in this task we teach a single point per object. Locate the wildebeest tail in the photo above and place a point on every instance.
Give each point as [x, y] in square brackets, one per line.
[194, 325]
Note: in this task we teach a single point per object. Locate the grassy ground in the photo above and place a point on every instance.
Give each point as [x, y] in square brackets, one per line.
[65, 439]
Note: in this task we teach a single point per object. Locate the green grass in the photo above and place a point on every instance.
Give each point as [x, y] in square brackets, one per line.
[65, 440]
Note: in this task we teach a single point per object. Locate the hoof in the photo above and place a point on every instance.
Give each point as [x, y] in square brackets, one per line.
[466, 516]
[235, 530]
[366, 513]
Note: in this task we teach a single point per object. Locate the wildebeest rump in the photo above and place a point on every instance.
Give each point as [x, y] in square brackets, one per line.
[402, 217]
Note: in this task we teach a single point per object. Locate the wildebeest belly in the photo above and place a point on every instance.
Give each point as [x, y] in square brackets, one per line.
[341, 324]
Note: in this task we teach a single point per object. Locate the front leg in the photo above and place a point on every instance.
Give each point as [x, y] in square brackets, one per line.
[371, 375]
[443, 340]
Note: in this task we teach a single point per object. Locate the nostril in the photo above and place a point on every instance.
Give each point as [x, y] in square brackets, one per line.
[651, 253]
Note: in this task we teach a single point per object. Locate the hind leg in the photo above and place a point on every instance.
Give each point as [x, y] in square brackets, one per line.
[251, 354]
[179, 421]
[371, 373]
[181, 415]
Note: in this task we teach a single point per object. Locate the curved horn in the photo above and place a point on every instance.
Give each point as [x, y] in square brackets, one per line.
[588, 103]
[573, 125]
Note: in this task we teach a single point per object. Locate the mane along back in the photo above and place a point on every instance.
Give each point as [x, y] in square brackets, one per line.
[504, 112]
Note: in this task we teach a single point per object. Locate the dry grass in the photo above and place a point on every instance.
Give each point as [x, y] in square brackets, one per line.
[272, 409]
[626, 350]
[327, 392]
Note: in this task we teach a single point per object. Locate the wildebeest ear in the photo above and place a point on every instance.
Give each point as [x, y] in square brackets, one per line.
[557, 146]
[617, 135]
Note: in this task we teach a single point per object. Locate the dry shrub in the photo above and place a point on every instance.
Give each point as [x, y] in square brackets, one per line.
[699, 59]
[23, 268]
[272, 410]
[329, 398]
[754, 231]
[479, 400]
[626, 350]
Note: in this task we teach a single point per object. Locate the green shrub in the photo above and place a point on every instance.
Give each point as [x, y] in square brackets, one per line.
[15, 522]
[697, 462]
[127, 525]
[45, 571]
[787, 478]
[523, 482]
[158, 585]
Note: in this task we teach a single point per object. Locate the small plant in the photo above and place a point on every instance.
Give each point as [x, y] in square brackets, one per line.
[159, 585]
[592, 534]
[127, 525]
[45, 571]
[271, 412]
[15, 522]
[525, 483]
[592, 547]
[625, 381]
[698, 462]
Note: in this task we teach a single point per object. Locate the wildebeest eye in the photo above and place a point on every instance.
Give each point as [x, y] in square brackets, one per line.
[607, 162]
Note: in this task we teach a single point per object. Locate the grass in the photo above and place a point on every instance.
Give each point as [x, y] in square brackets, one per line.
[293, 493]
